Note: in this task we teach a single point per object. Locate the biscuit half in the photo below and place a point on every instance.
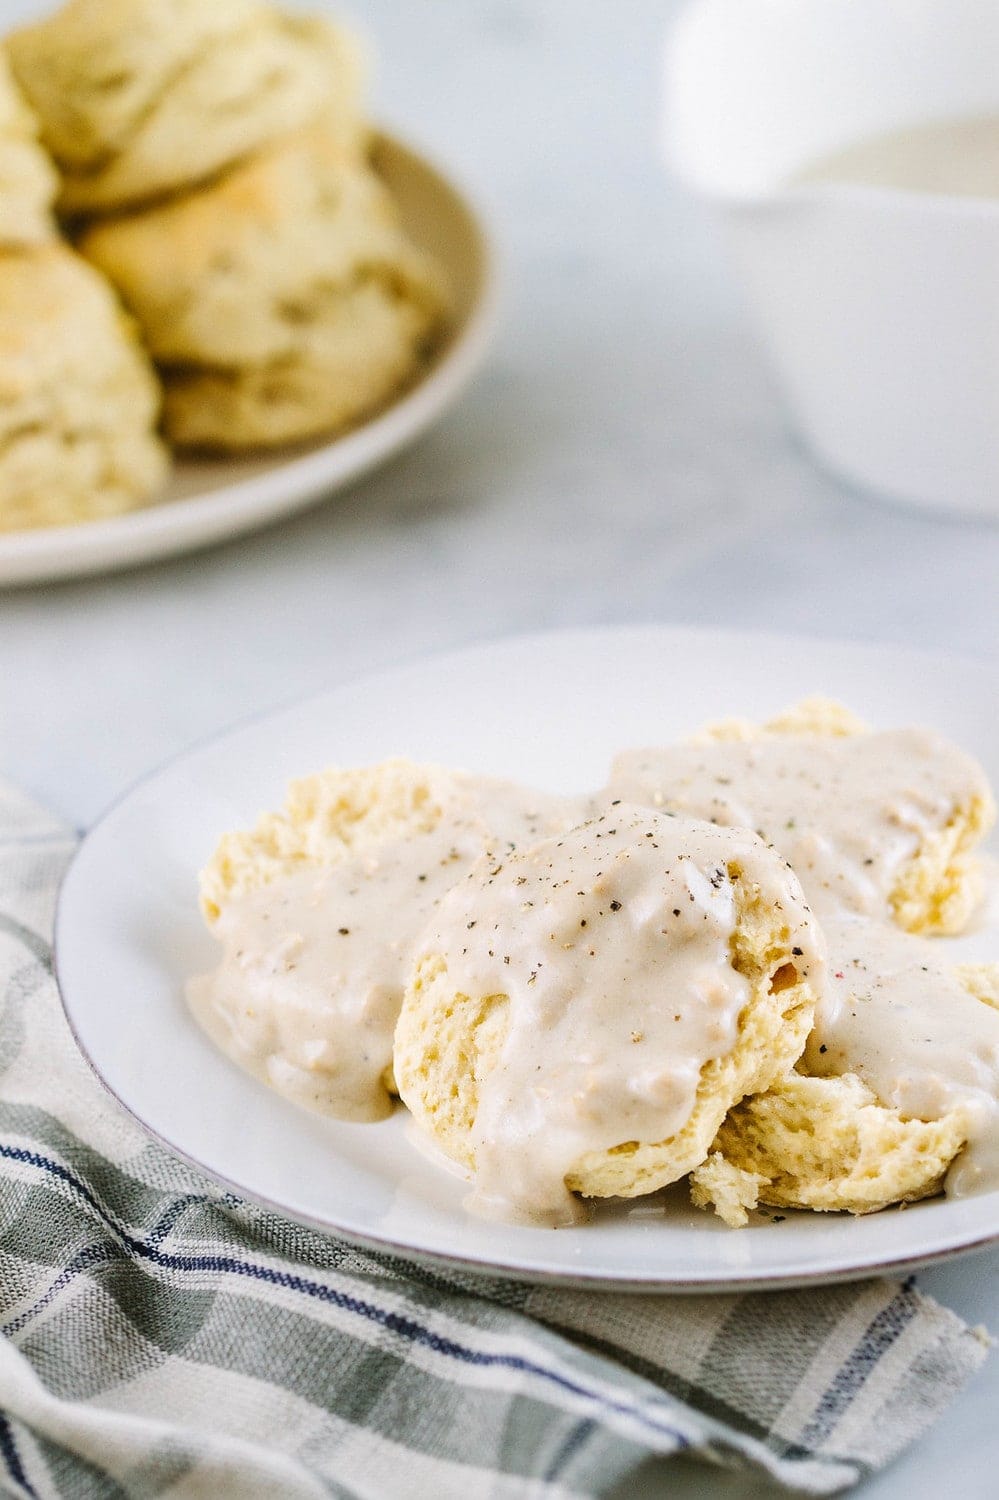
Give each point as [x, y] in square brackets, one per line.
[318, 908]
[325, 818]
[825, 1144]
[934, 889]
[450, 1045]
[938, 890]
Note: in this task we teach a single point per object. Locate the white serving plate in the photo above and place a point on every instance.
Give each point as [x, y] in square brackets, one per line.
[210, 501]
[548, 710]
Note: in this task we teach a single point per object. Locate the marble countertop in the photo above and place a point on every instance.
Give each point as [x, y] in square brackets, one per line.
[623, 457]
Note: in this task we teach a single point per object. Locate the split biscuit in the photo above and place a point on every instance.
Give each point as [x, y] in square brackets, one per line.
[344, 812]
[78, 398]
[140, 98]
[282, 302]
[326, 817]
[318, 909]
[28, 180]
[825, 1144]
[544, 1081]
[883, 824]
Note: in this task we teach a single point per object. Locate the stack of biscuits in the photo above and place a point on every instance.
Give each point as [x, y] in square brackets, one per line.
[211, 164]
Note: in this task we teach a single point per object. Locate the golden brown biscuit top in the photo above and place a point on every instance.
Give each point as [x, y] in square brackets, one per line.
[94, 67]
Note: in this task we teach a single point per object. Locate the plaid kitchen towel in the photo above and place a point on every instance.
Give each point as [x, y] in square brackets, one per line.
[163, 1337]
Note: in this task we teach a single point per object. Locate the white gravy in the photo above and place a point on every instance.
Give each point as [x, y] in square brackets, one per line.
[613, 944]
[896, 1013]
[959, 158]
[309, 986]
[846, 813]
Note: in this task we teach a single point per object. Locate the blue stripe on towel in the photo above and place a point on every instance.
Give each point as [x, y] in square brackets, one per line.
[12, 1459]
[404, 1327]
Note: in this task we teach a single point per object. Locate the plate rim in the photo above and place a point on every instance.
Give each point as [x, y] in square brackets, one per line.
[733, 1281]
[508, 1271]
[158, 531]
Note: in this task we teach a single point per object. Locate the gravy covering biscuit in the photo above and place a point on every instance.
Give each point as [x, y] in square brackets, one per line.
[139, 98]
[582, 1015]
[78, 398]
[879, 825]
[318, 910]
[921, 1033]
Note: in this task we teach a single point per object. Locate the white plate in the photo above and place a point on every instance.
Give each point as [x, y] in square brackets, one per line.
[549, 710]
[208, 501]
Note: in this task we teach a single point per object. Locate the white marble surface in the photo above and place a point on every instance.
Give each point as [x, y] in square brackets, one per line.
[624, 458]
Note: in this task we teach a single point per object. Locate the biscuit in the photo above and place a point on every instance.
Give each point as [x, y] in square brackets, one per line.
[282, 301]
[825, 1144]
[981, 981]
[28, 179]
[318, 908]
[351, 365]
[814, 715]
[78, 398]
[733, 1192]
[325, 818]
[560, 1085]
[237, 272]
[139, 98]
[938, 890]
[909, 781]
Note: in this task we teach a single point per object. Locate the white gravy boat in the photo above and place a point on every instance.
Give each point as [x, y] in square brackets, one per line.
[880, 307]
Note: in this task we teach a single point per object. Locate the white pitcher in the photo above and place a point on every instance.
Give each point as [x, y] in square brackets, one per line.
[880, 307]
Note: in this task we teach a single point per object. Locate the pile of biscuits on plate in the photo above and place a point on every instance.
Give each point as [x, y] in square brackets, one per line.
[732, 964]
[195, 250]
